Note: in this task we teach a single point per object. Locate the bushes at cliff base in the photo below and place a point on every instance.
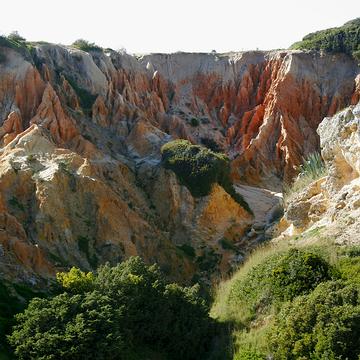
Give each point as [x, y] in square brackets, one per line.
[111, 314]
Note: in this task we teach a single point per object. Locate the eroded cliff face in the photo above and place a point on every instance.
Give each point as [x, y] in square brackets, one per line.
[329, 207]
[80, 175]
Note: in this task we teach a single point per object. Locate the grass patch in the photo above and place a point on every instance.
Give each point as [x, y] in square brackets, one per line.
[312, 169]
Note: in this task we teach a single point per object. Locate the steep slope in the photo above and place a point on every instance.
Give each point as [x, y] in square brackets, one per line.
[285, 301]
[81, 177]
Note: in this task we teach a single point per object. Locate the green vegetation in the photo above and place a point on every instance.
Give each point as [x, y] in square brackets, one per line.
[16, 37]
[313, 168]
[113, 314]
[13, 299]
[198, 168]
[194, 122]
[227, 244]
[322, 325]
[86, 98]
[16, 204]
[85, 45]
[211, 144]
[288, 303]
[188, 250]
[279, 278]
[344, 39]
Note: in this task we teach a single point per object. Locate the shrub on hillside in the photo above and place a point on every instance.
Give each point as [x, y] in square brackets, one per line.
[198, 168]
[85, 45]
[106, 317]
[211, 144]
[279, 278]
[322, 325]
[15, 36]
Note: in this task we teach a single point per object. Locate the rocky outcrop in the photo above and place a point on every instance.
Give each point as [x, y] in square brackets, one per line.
[332, 203]
[59, 209]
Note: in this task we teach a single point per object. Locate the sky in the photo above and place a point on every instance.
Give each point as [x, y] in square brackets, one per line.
[143, 26]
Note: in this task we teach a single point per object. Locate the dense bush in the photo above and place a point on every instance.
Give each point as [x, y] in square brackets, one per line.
[344, 39]
[194, 122]
[279, 278]
[198, 168]
[85, 45]
[82, 326]
[107, 315]
[322, 325]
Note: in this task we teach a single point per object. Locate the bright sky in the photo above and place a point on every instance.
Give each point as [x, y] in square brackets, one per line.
[175, 25]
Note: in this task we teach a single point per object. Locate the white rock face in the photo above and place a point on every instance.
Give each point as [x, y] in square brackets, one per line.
[331, 205]
[340, 144]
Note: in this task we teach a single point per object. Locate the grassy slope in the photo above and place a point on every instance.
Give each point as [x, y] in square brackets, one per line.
[251, 333]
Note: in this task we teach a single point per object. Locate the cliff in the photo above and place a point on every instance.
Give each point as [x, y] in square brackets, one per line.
[81, 179]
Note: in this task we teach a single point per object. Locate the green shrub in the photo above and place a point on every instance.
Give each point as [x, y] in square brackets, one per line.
[108, 315]
[199, 168]
[349, 265]
[211, 144]
[279, 278]
[322, 325]
[249, 355]
[19, 46]
[188, 250]
[16, 37]
[194, 122]
[227, 244]
[298, 272]
[85, 45]
[344, 39]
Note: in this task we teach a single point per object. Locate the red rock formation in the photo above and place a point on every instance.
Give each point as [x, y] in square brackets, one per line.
[67, 161]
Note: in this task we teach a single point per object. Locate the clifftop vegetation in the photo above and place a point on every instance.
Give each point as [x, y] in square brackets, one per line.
[345, 39]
